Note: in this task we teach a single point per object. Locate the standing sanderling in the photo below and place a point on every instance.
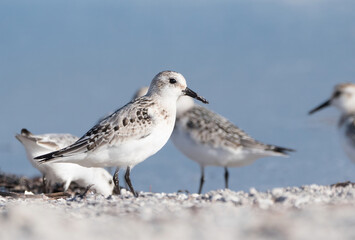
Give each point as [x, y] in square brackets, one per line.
[343, 98]
[63, 172]
[132, 133]
[211, 140]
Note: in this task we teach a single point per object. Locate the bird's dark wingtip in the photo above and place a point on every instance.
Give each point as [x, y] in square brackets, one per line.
[283, 150]
[44, 158]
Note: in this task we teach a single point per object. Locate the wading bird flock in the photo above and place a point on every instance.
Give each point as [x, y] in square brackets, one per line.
[142, 127]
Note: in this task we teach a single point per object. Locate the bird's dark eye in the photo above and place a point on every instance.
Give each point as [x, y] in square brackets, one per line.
[172, 80]
[336, 94]
[110, 182]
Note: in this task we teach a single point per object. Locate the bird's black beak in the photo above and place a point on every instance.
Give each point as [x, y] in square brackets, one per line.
[189, 92]
[323, 105]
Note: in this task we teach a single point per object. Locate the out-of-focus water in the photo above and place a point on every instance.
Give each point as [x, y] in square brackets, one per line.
[261, 64]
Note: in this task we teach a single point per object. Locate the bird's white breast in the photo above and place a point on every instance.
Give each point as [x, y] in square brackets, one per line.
[134, 151]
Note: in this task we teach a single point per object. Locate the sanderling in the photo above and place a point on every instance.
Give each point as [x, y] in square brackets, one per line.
[65, 173]
[211, 140]
[132, 133]
[343, 98]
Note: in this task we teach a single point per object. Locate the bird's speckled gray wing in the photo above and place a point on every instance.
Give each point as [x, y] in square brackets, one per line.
[211, 128]
[133, 121]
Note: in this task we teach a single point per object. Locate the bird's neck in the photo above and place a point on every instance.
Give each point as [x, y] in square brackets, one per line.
[184, 104]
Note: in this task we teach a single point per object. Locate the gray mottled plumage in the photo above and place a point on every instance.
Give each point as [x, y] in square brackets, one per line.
[214, 130]
[131, 121]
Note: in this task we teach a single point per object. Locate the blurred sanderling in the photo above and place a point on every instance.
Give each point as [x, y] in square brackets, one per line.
[343, 98]
[211, 140]
[132, 133]
[65, 173]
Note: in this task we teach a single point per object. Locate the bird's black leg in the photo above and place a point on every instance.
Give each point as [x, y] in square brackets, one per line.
[117, 181]
[83, 195]
[202, 179]
[128, 181]
[226, 176]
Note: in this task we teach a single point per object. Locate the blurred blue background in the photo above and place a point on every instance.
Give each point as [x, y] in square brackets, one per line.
[263, 64]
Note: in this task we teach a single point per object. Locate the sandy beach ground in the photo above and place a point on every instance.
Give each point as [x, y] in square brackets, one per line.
[307, 212]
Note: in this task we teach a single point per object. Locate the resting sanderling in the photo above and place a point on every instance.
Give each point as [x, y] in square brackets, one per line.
[132, 133]
[65, 173]
[343, 98]
[211, 140]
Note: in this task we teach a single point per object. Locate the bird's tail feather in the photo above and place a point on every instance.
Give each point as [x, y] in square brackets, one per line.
[281, 150]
